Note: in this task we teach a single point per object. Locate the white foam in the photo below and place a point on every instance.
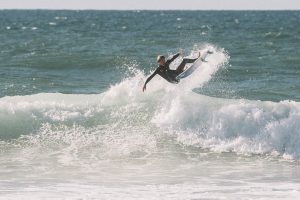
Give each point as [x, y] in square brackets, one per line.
[241, 126]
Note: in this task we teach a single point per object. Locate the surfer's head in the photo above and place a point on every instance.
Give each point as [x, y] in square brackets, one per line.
[161, 60]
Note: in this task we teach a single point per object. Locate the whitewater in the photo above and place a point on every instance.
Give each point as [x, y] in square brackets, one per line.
[166, 143]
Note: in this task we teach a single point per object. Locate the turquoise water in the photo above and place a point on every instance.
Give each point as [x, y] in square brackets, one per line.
[75, 124]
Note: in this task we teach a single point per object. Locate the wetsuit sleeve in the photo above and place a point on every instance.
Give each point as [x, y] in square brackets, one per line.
[173, 58]
[152, 75]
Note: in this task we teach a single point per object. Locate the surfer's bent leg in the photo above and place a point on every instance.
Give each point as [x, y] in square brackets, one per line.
[180, 68]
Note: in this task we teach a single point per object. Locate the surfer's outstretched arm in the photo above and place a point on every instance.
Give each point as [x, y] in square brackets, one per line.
[149, 79]
[173, 58]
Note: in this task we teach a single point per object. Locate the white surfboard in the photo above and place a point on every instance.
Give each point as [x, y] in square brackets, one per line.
[194, 66]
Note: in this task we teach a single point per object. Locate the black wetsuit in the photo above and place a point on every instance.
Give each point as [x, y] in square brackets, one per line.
[169, 74]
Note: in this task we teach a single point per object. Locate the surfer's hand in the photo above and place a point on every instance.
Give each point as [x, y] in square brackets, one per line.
[199, 54]
[144, 87]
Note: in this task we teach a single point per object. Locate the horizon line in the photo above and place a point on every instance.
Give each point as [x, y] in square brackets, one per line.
[145, 9]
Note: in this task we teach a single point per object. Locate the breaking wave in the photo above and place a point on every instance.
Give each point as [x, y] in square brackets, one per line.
[124, 122]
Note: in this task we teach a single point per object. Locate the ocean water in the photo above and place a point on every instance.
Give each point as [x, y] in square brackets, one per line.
[75, 124]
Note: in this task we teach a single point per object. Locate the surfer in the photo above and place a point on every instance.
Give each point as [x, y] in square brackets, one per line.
[165, 72]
